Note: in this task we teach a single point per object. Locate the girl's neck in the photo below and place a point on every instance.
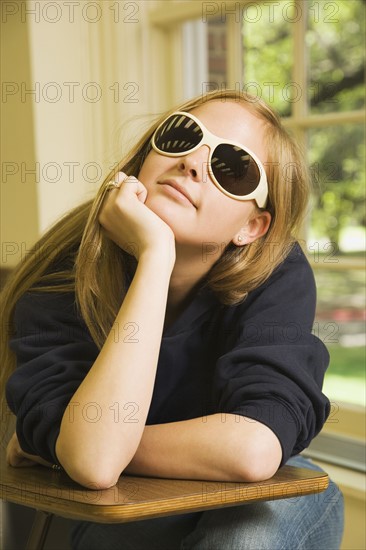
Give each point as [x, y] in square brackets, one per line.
[189, 271]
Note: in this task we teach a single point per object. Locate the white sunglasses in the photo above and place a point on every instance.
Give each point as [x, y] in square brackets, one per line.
[235, 169]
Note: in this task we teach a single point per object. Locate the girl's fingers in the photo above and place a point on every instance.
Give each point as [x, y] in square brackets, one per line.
[122, 182]
[16, 457]
[21, 462]
[116, 183]
[133, 185]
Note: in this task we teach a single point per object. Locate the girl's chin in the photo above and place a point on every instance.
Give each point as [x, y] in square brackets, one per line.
[168, 210]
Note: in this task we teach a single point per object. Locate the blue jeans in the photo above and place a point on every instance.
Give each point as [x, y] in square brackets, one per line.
[302, 523]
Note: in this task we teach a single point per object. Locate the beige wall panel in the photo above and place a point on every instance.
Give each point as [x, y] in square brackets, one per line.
[19, 211]
[90, 97]
[63, 88]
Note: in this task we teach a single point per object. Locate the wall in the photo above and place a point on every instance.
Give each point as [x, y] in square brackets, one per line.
[19, 206]
[75, 81]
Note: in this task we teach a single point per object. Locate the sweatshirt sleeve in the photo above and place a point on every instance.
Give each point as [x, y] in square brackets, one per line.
[54, 352]
[272, 367]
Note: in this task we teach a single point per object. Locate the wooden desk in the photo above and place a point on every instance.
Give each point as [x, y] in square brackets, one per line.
[137, 498]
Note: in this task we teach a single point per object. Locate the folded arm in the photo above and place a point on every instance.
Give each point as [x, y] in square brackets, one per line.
[222, 447]
[219, 447]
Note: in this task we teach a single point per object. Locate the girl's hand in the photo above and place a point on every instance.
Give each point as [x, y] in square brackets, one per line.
[15, 456]
[131, 224]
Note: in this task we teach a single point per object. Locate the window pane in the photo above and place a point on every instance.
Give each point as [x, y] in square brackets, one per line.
[337, 163]
[204, 56]
[217, 65]
[336, 239]
[335, 39]
[268, 56]
[340, 323]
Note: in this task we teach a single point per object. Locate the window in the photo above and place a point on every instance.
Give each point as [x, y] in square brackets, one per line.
[309, 64]
[307, 60]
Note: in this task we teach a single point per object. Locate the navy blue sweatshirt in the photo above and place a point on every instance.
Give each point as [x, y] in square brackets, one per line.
[258, 359]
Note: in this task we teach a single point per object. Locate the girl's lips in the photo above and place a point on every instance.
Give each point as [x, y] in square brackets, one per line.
[178, 191]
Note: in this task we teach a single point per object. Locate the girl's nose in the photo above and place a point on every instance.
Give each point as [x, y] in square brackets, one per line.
[195, 164]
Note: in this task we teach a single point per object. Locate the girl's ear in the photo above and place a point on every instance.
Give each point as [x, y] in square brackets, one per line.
[255, 228]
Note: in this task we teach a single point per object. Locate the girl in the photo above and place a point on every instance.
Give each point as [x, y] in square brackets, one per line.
[164, 329]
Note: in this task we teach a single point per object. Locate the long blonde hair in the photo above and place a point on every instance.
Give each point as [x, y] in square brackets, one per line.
[83, 260]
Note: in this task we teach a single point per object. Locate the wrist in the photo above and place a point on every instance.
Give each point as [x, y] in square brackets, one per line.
[163, 258]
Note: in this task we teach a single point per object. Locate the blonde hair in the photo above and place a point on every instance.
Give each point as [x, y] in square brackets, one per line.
[85, 261]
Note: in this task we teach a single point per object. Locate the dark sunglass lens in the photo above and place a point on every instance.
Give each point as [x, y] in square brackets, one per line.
[235, 169]
[178, 134]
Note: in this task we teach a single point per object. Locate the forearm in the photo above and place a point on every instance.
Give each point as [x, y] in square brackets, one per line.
[223, 447]
[98, 434]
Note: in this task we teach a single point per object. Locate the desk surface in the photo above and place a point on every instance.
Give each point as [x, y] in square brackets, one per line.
[135, 498]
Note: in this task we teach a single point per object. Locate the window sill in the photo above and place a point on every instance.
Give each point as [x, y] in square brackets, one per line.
[346, 420]
[345, 452]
